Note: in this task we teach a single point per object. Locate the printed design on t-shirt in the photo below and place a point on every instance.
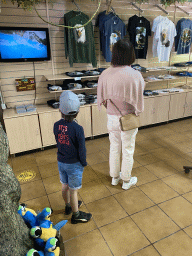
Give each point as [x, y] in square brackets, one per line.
[80, 36]
[140, 37]
[62, 137]
[164, 38]
[185, 38]
[115, 36]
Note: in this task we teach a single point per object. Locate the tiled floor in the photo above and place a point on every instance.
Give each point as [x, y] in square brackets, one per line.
[150, 219]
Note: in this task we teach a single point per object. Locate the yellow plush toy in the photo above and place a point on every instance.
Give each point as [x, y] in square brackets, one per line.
[43, 233]
[52, 247]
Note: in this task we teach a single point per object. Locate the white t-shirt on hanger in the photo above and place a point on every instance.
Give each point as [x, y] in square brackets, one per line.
[156, 21]
[165, 33]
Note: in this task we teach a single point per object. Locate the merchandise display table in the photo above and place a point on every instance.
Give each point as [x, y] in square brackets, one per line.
[33, 130]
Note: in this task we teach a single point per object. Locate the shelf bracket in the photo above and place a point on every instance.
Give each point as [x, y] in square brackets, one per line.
[139, 9]
[181, 9]
[163, 10]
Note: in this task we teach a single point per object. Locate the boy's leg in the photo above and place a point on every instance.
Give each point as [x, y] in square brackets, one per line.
[66, 193]
[74, 200]
[78, 216]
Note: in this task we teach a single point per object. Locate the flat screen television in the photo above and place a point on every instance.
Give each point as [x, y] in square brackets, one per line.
[20, 44]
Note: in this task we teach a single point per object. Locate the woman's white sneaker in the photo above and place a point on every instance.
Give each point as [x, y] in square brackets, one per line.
[115, 181]
[132, 182]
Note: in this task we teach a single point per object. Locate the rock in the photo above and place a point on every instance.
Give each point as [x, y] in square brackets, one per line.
[15, 239]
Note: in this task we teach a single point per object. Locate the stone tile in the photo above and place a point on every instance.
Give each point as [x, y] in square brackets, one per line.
[96, 158]
[48, 170]
[146, 159]
[175, 245]
[52, 184]
[161, 169]
[188, 196]
[106, 210]
[158, 191]
[123, 237]
[93, 190]
[32, 190]
[148, 251]
[174, 208]
[180, 182]
[38, 204]
[133, 200]
[91, 243]
[154, 223]
[143, 175]
[188, 230]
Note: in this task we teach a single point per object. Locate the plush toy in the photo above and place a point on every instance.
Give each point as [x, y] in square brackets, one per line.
[44, 215]
[28, 215]
[52, 247]
[34, 252]
[43, 233]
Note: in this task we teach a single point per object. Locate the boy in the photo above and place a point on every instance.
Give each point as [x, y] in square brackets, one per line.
[71, 155]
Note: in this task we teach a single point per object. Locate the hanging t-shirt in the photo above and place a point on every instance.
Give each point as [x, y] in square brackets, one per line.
[101, 18]
[67, 17]
[81, 43]
[165, 33]
[113, 30]
[156, 21]
[183, 38]
[139, 30]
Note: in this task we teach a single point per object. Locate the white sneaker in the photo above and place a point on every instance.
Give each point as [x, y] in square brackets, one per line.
[132, 182]
[116, 181]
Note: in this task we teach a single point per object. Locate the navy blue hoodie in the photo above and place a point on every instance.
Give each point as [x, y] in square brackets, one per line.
[70, 140]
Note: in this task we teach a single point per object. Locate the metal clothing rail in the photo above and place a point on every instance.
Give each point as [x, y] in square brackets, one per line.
[182, 10]
[156, 5]
[73, 1]
[137, 7]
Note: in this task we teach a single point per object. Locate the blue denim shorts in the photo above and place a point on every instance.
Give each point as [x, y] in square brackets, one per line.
[71, 174]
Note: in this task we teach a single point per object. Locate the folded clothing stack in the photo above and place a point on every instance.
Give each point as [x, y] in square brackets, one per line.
[51, 87]
[91, 84]
[139, 68]
[150, 93]
[184, 73]
[25, 108]
[159, 77]
[53, 103]
[93, 72]
[90, 99]
[184, 64]
[30, 108]
[81, 97]
[70, 84]
[20, 109]
[169, 90]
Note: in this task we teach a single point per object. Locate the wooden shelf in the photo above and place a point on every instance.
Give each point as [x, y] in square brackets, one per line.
[162, 80]
[64, 76]
[75, 90]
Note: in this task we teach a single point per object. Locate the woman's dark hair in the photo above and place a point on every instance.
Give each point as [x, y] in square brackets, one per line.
[69, 118]
[123, 53]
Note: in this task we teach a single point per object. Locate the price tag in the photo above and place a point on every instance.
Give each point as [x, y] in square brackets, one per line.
[77, 78]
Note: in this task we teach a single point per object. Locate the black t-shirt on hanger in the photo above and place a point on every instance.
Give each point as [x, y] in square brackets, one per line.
[139, 30]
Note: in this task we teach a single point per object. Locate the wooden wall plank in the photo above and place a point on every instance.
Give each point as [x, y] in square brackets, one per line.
[11, 15]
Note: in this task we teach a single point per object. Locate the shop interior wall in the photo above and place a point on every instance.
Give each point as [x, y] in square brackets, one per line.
[11, 15]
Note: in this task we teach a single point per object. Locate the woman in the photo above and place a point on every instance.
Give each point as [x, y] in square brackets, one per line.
[121, 86]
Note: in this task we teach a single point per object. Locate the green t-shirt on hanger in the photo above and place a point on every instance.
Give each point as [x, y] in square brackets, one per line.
[67, 17]
[81, 43]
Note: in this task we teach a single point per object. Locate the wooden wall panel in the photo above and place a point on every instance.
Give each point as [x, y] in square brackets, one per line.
[12, 16]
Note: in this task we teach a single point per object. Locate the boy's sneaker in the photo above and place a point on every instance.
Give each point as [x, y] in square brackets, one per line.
[82, 218]
[68, 209]
[132, 182]
[115, 181]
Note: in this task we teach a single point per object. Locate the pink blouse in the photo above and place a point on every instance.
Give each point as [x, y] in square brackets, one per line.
[124, 86]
